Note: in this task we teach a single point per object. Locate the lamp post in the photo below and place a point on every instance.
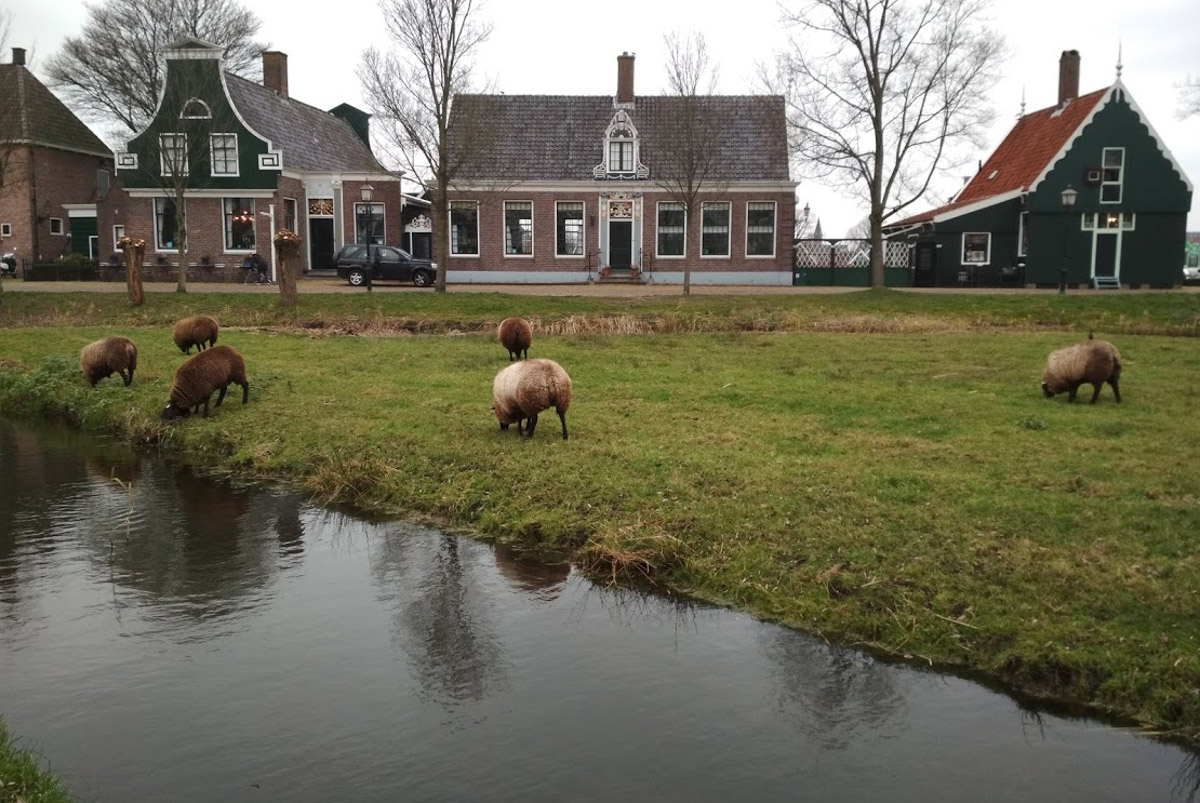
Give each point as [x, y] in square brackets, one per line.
[1068, 201]
[368, 192]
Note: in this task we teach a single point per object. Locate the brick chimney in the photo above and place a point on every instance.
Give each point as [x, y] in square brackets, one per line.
[1068, 76]
[625, 78]
[275, 71]
[19, 56]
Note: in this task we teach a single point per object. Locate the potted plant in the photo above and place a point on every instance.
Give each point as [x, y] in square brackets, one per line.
[605, 271]
[634, 270]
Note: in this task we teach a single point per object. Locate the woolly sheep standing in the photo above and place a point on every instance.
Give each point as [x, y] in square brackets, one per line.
[108, 356]
[1093, 361]
[515, 335]
[524, 389]
[214, 369]
[195, 331]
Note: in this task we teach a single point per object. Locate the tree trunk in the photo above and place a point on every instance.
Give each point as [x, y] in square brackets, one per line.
[133, 273]
[181, 239]
[877, 265]
[441, 237]
[286, 253]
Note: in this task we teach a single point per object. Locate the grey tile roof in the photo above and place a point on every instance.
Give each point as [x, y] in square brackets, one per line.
[29, 112]
[310, 139]
[561, 137]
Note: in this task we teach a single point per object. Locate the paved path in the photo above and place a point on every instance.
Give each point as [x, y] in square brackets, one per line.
[323, 285]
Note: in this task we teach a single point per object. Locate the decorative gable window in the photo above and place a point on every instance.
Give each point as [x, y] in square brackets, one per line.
[224, 154]
[195, 109]
[977, 248]
[172, 154]
[464, 228]
[622, 150]
[1112, 175]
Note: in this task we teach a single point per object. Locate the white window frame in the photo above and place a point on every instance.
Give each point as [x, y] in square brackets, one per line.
[620, 147]
[374, 206]
[57, 223]
[1087, 221]
[963, 250]
[504, 226]
[5, 230]
[1119, 183]
[178, 145]
[118, 233]
[728, 229]
[295, 213]
[158, 246]
[1023, 234]
[227, 227]
[582, 230]
[450, 232]
[212, 157]
[774, 229]
[184, 116]
[657, 229]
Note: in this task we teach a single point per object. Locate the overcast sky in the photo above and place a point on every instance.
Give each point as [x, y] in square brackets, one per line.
[557, 47]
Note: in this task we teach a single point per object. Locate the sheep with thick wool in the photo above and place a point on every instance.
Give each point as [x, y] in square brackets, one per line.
[108, 356]
[515, 335]
[524, 389]
[1092, 361]
[195, 331]
[213, 369]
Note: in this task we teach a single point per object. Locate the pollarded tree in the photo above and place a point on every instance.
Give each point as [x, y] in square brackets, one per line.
[882, 93]
[1189, 98]
[113, 70]
[412, 89]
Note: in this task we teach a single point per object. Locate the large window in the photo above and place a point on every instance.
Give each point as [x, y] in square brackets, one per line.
[239, 224]
[1113, 175]
[977, 248]
[172, 154]
[672, 228]
[165, 225]
[714, 240]
[224, 154]
[368, 223]
[518, 228]
[568, 226]
[760, 229]
[464, 228]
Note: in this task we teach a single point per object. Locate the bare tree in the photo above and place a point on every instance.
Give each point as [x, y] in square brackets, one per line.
[113, 71]
[412, 89]
[882, 93]
[5, 31]
[860, 230]
[686, 166]
[1189, 98]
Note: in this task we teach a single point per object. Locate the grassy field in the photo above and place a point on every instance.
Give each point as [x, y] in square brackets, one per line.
[23, 776]
[913, 493]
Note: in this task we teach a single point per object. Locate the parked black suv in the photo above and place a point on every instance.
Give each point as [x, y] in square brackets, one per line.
[353, 261]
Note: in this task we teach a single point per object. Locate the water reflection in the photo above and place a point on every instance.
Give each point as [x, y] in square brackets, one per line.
[542, 581]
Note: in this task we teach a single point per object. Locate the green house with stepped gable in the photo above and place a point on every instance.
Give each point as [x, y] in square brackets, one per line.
[251, 159]
[1011, 223]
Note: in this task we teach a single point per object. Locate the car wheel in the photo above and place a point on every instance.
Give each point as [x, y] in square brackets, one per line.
[422, 278]
[356, 277]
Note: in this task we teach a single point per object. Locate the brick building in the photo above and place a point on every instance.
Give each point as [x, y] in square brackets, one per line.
[251, 159]
[53, 170]
[571, 188]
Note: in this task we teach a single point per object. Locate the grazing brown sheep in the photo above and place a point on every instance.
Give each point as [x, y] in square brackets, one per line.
[195, 331]
[524, 389]
[515, 335]
[214, 369]
[1092, 361]
[111, 355]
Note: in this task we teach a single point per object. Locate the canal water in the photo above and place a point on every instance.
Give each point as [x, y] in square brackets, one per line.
[169, 637]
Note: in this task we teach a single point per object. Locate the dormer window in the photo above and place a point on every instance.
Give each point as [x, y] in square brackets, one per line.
[195, 109]
[621, 151]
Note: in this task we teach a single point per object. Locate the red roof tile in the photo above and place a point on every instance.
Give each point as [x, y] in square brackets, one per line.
[1036, 139]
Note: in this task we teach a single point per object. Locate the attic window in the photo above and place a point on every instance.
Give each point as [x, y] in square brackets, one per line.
[195, 109]
[622, 148]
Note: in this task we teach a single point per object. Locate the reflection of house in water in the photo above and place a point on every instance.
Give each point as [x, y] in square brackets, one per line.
[544, 581]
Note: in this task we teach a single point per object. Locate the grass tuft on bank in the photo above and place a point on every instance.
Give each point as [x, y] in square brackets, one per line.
[25, 776]
[913, 494]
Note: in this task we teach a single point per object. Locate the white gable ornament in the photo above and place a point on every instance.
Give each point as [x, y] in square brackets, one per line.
[420, 224]
[621, 129]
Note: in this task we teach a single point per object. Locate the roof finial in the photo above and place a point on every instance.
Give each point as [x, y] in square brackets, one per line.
[1022, 114]
[1120, 66]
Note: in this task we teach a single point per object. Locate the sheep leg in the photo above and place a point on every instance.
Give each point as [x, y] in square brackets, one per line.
[1096, 391]
[1116, 390]
[563, 417]
[128, 377]
[1071, 392]
[245, 392]
[530, 423]
[221, 395]
[205, 404]
[512, 354]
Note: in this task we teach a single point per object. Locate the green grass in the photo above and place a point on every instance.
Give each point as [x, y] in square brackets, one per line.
[24, 777]
[911, 493]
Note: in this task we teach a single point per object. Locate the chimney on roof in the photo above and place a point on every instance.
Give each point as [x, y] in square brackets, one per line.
[625, 78]
[275, 71]
[1068, 76]
[19, 56]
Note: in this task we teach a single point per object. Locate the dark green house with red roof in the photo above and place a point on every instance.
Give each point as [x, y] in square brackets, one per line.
[1083, 192]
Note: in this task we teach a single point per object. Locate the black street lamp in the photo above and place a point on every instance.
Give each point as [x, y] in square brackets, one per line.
[368, 192]
[1068, 201]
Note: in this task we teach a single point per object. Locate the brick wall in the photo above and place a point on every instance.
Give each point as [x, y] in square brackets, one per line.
[58, 177]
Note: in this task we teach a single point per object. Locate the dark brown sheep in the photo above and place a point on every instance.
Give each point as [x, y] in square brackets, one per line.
[524, 389]
[195, 331]
[111, 355]
[1092, 361]
[515, 335]
[214, 369]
